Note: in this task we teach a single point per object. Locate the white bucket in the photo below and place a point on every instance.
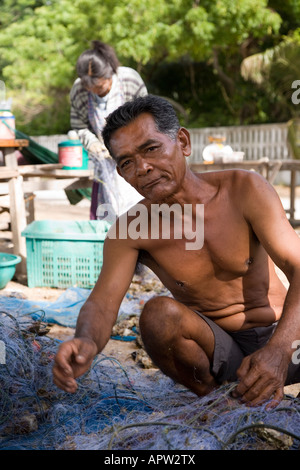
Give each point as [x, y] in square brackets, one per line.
[7, 125]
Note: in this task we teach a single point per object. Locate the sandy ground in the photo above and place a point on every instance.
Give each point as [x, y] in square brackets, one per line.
[55, 206]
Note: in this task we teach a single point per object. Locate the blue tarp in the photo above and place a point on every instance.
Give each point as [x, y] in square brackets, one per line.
[64, 311]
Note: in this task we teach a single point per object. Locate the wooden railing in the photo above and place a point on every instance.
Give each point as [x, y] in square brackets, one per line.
[257, 141]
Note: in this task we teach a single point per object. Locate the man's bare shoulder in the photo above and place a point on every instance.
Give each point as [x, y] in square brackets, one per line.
[234, 180]
[228, 175]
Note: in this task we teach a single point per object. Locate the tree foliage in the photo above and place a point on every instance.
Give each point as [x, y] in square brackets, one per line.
[204, 41]
[276, 69]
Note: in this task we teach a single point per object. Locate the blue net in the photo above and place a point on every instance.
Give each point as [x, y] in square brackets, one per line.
[121, 408]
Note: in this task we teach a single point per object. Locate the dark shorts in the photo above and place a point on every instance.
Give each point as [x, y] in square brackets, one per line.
[231, 347]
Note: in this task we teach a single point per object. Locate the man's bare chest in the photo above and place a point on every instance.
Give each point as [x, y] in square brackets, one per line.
[225, 245]
[215, 277]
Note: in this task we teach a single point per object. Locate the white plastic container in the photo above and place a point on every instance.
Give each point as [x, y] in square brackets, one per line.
[7, 125]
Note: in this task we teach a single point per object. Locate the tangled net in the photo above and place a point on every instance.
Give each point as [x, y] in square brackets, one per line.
[122, 409]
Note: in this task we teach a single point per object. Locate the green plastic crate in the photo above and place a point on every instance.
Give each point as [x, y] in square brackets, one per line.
[64, 253]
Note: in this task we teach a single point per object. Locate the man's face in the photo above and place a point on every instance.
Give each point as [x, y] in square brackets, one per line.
[150, 161]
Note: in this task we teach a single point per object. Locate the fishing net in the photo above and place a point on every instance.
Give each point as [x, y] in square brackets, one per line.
[113, 189]
[121, 408]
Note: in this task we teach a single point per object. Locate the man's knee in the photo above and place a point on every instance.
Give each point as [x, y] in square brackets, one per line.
[158, 315]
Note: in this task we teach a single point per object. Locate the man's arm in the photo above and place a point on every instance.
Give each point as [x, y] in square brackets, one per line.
[262, 374]
[98, 314]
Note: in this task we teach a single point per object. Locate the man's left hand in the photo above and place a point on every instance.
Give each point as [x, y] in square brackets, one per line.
[261, 377]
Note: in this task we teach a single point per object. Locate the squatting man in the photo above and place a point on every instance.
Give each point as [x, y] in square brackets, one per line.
[229, 317]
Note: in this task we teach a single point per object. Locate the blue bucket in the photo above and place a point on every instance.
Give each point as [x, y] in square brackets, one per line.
[8, 264]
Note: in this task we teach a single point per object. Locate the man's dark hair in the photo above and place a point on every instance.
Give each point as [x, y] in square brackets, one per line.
[162, 111]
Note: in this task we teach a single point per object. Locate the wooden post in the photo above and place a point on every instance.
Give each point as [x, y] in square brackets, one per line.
[17, 211]
[29, 206]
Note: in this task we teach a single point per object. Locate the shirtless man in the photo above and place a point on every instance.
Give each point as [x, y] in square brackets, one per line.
[230, 317]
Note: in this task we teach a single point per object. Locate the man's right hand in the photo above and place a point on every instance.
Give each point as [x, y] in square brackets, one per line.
[73, 359]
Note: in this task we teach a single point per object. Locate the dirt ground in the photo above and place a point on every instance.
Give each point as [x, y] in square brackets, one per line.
[55, 206]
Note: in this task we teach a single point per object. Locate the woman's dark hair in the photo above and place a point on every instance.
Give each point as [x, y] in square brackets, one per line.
[99, 62]
[162, 111]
